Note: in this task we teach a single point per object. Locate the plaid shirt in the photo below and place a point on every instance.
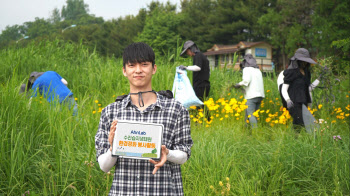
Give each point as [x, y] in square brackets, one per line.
[133, 176]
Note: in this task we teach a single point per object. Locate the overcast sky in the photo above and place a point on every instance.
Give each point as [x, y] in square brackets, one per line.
[19, 11]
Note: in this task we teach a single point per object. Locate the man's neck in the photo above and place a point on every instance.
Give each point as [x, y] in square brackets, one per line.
[148, 98]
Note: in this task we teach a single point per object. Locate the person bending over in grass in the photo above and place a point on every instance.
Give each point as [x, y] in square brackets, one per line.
[253, 85]
[145, 177]
[51, 86]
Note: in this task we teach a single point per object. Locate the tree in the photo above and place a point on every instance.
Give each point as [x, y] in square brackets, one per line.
[196, 23]
[55, 16]
[40, 27]
[161, 29]
[74, 10]
[331, 23]
[11, 33]
[288, 23]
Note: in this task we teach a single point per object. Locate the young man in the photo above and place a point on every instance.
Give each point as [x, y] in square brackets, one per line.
[143, 177]
[253, 85]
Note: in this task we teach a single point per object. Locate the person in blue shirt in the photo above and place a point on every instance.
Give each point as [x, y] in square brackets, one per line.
[51, 86]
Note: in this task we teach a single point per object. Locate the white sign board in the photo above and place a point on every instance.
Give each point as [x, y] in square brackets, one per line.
[139, 140]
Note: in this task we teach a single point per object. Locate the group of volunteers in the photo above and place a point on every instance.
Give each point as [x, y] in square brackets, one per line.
[294, 83]
[143, 104]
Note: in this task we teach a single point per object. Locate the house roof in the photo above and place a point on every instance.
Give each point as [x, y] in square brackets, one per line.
[223, 51]
[221, 47]
[251, 44]
[227, 49]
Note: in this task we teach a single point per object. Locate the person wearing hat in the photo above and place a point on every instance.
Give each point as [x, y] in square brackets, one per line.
[200, 69]
[51, 86]
[253, 85]
[296, 88]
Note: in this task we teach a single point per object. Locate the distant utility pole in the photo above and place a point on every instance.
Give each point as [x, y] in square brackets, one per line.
[69, 27]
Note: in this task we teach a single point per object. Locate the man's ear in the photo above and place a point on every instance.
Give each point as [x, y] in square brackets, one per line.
[154, 69]
[124, 72]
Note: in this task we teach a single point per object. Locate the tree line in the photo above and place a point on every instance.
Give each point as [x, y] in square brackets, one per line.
[321, 26]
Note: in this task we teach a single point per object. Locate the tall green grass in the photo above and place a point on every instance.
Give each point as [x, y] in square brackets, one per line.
[47, 151]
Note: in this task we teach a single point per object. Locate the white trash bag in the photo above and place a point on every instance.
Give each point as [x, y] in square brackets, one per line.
[183, 91]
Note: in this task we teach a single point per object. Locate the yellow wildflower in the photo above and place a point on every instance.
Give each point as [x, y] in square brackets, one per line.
[200, 114]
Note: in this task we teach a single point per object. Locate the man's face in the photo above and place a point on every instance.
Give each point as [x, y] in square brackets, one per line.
[139, 74]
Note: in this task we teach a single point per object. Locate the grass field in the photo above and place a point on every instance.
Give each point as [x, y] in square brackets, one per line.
[47, 151]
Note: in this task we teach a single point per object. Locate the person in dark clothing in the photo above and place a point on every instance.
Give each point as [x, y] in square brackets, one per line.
[200, 69]
[296, 88]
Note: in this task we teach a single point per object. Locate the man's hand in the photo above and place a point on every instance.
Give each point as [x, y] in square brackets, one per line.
[159, 164]
[290, 104]
[112, 132]
[237, 85]
[182, 67]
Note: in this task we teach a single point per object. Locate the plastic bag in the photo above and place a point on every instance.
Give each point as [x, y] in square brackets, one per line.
[183, 91]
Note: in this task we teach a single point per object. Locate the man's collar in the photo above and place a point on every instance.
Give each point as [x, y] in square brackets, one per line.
[159, 102]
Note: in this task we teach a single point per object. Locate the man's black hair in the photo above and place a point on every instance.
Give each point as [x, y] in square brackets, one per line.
[137, 53]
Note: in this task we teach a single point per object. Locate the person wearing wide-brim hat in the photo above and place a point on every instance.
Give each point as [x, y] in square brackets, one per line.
[296, 88]
[200, 69]
[32, 77]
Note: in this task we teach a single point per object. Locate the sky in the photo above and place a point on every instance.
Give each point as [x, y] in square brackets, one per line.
[19, 11]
